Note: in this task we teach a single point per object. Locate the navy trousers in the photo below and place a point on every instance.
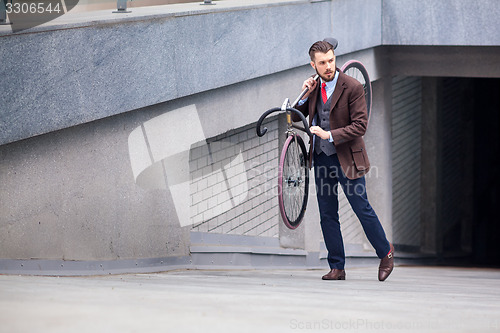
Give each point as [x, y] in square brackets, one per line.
[328, 174]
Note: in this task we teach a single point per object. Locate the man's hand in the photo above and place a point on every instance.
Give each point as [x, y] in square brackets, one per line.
[310, 83]
[316, 130]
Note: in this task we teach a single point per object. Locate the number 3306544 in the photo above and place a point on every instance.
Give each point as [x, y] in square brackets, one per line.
[32, 8]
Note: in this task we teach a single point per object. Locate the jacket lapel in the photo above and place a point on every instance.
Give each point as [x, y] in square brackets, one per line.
[339, 89]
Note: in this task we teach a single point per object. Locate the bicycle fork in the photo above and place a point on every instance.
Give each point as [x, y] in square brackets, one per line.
[289, 124]
[290, 131]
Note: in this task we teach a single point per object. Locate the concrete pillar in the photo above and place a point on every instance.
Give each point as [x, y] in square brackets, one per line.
[378, 144]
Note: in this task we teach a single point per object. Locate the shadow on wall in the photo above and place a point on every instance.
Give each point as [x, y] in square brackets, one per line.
[160, 152]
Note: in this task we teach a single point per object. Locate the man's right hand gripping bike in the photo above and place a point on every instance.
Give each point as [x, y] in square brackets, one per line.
[293, 171]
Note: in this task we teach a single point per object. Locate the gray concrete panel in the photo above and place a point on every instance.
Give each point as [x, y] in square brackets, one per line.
[69, 74]
[378, 145]
[71, 195]
[445, 22]
[356, 24]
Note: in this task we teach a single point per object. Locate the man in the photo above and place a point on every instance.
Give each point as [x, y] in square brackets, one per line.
[338, 118]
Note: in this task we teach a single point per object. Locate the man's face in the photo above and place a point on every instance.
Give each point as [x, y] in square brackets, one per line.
[324, 64]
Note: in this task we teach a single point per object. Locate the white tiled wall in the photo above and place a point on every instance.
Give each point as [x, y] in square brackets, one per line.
[233, 183]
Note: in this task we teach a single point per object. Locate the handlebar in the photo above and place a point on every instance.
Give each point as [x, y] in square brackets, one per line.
[268, 112]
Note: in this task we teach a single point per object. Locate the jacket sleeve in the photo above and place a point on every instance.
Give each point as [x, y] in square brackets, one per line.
[304, 108]
[359, 118]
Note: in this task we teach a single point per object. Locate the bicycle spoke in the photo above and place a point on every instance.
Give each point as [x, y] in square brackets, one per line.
[293, 182]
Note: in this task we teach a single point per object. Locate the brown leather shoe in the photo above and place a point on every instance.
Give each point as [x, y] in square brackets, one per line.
[335, 274]
[386, 265]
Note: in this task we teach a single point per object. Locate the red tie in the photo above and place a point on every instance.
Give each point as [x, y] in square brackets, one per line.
[323, 92]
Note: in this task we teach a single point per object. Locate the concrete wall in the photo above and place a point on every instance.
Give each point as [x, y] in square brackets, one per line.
[444, 23]
[98, 112]
[75, 193]
[89, 66]
[357, 23]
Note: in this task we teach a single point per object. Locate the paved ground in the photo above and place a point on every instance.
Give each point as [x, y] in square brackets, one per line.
[415, 299]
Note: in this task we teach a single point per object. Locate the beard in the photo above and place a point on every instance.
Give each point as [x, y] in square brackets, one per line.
[327, 76]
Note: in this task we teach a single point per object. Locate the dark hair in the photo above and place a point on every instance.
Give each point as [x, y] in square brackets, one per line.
[320, 46]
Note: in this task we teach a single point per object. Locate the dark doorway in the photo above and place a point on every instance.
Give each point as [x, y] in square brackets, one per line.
[486, 223]
[464, 118]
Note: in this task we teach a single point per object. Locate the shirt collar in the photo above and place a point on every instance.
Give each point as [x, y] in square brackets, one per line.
[331, 84]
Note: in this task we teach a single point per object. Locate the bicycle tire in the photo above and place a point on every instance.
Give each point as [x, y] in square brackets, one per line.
[293, 181]
[355, 69]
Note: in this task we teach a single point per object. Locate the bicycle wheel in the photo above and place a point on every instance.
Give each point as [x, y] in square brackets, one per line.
[355, 69]
[293, 181]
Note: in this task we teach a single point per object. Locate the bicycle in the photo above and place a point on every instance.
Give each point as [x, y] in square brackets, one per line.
[293, 170]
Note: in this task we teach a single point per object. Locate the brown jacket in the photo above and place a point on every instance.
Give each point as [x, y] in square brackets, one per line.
[348, 121]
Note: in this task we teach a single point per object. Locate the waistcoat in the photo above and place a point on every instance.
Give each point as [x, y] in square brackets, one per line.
[323, 121]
